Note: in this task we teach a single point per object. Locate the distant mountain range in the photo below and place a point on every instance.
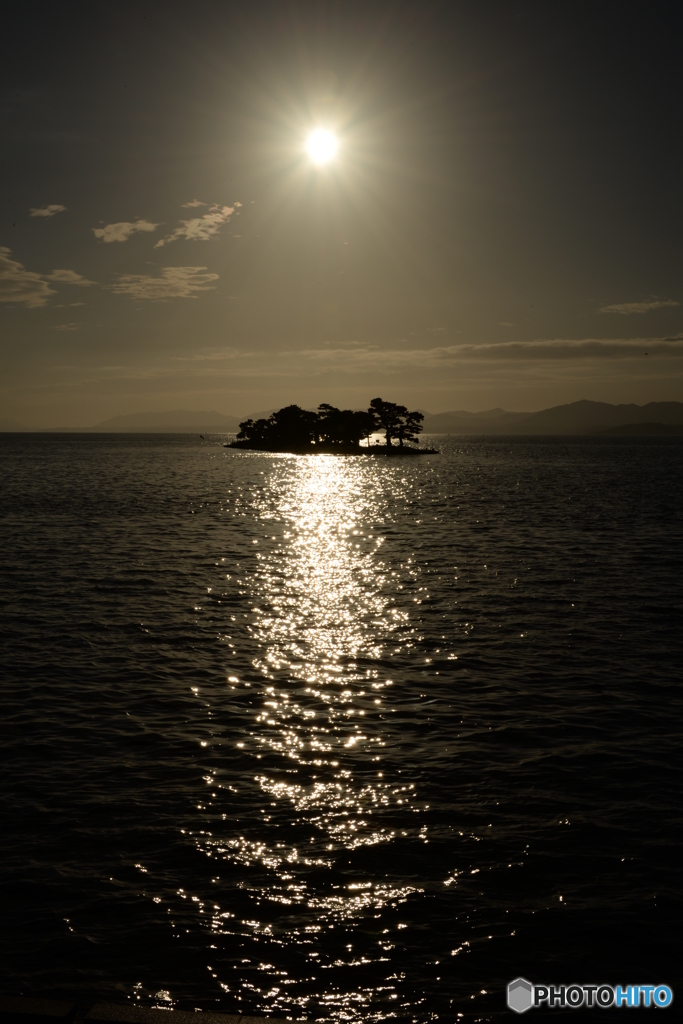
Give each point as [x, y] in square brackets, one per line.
[179, 421]
[645, 430]
[577, 418]
[656, 418]
[494, 421]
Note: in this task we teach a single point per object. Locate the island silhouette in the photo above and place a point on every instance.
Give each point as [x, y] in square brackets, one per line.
[335, 431]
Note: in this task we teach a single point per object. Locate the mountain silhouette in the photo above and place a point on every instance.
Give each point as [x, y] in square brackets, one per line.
[583, 417]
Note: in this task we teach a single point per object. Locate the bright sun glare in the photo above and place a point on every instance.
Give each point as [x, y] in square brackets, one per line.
[321, 146]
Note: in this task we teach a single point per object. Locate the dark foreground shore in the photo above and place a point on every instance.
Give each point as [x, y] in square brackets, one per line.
[332, 449]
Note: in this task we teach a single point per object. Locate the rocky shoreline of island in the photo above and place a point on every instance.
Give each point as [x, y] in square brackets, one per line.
[394, 451]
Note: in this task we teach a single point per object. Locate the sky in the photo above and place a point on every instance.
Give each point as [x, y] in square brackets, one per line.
[501, 225]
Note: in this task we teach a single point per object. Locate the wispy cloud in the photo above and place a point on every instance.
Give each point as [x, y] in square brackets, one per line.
[19, 285]
[628, 308]
[46, 211]
[121, 231]
[507, 357]
[67, 327]
[200, 229]
[195, 202]
[68, 277]
[28, 288]
[172, 283]
[359, 358]
[206, 371]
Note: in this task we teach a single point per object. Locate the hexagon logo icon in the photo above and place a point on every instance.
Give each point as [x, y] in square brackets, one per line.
[520, 995]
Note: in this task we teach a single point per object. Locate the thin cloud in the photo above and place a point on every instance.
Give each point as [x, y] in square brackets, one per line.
[195, 202]
[67, 327]
[582, 348]
[200, 229]
[21, 286]
[121, 231]
[46, 211]
[28, 288]
[628, 308]
[173, 283]
[68, 277]
[357, 358]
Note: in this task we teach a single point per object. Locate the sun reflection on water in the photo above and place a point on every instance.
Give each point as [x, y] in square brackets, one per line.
[323, 616]
[323, 607]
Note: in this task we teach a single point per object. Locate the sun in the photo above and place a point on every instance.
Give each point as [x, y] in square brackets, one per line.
[321, 146]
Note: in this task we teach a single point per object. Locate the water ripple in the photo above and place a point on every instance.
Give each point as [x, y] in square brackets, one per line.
[334, 739]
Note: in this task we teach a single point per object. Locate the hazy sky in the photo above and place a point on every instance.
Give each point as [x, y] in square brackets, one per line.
[502, 225]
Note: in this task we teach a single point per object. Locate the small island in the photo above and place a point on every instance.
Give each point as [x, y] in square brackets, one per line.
[331, 431]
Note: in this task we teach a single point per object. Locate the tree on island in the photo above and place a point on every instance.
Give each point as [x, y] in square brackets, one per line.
[329, 427]
[294, 425]
[344, 426]
[410, 425]
[396, 421]
[289, 426]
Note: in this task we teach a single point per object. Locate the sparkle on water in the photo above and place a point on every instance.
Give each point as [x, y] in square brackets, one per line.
[320, 602]
[321, 146]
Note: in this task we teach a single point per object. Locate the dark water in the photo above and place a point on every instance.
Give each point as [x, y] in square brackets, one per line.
[334, 738]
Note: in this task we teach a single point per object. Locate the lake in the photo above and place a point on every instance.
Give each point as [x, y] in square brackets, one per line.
[336, 738]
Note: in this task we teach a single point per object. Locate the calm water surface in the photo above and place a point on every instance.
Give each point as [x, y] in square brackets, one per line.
[339, 738]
